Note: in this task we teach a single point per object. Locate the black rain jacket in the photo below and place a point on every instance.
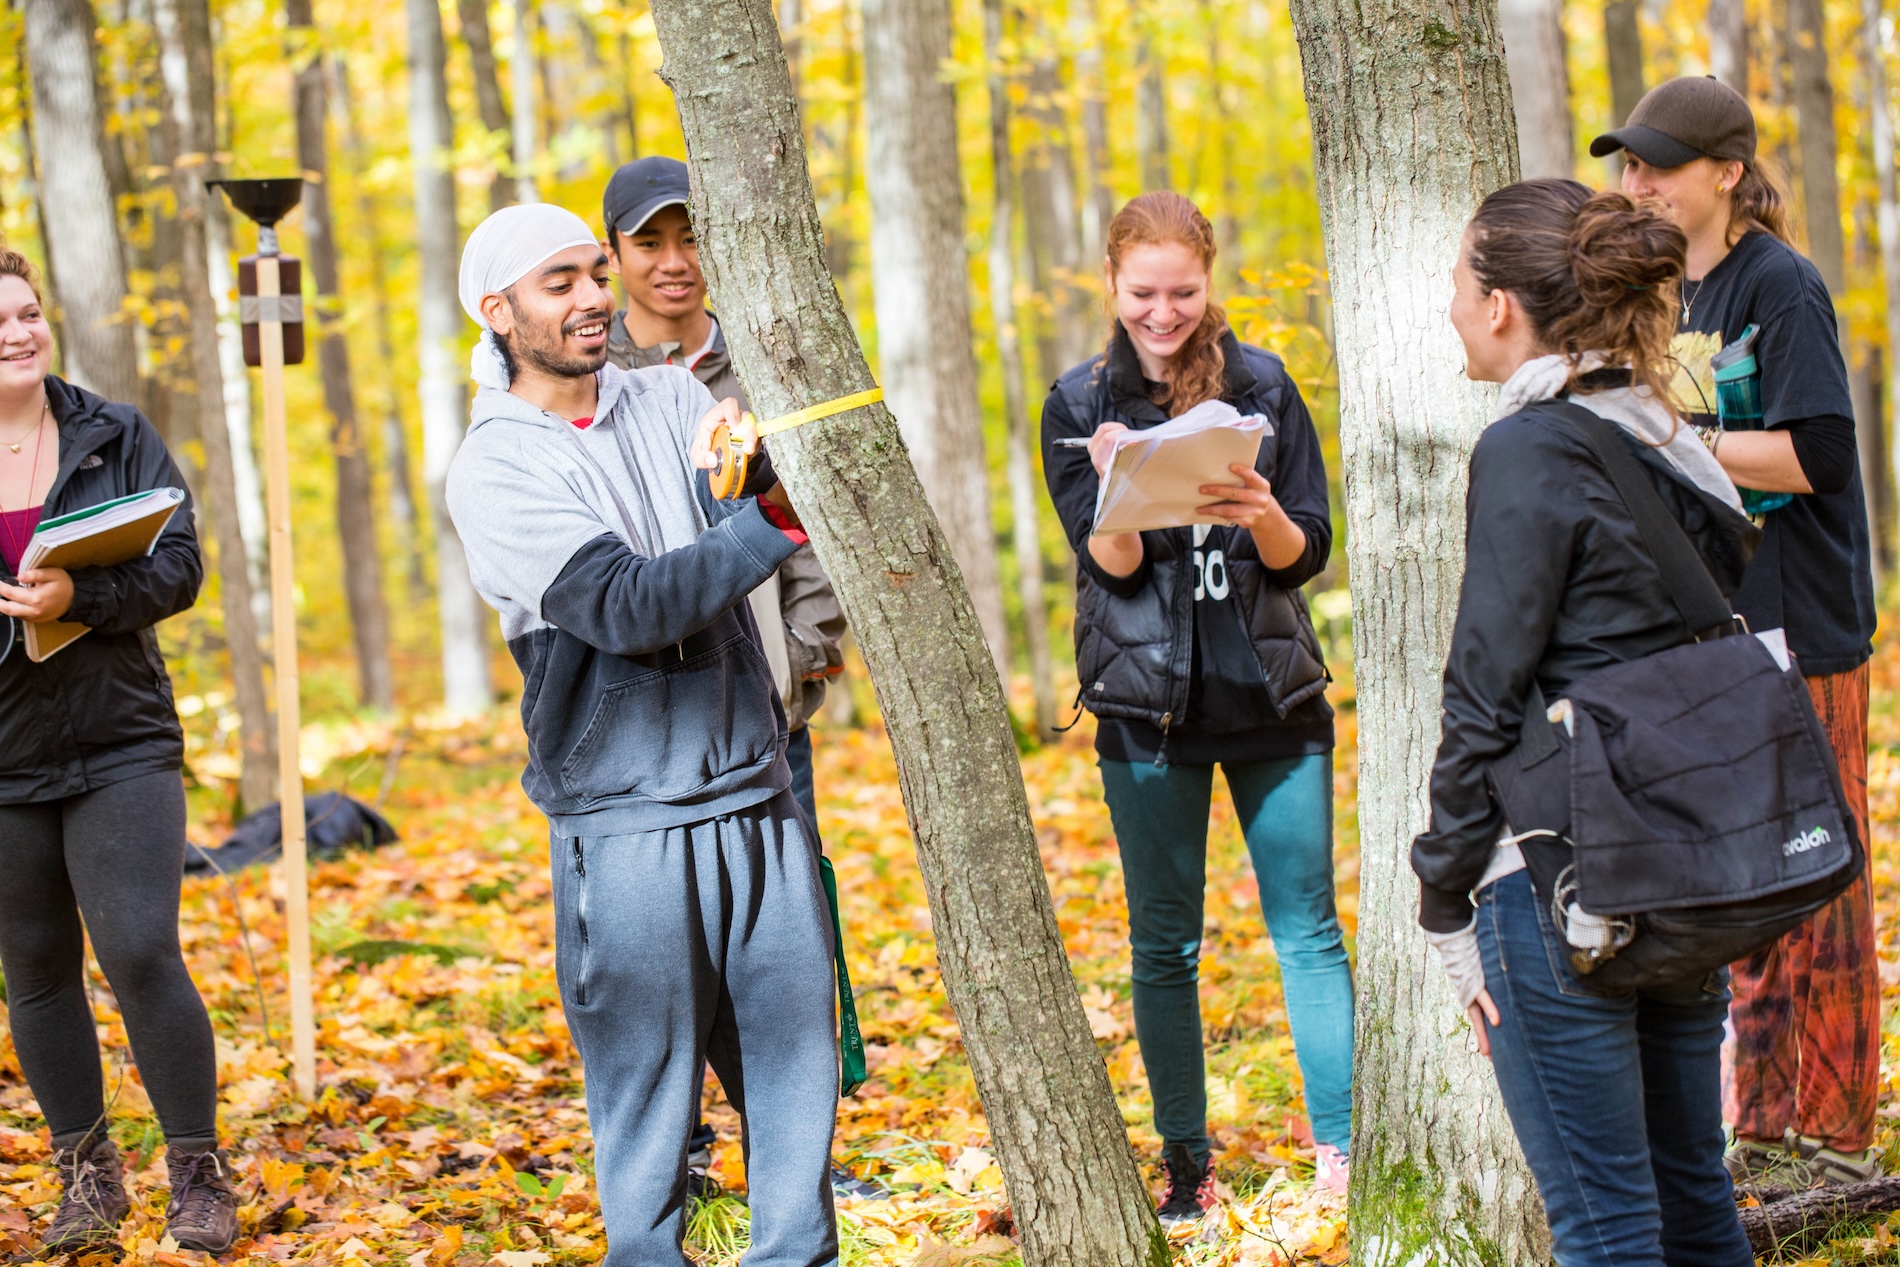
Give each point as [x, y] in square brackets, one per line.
[100, 711]
[1557, 584]
[1134, 635]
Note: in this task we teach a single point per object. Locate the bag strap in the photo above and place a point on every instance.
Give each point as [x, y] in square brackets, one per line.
[1691, 587]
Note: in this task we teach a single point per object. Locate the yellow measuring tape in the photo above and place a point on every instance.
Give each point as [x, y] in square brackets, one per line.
[728, 474]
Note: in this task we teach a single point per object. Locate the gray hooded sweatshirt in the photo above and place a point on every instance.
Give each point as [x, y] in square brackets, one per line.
[621, 585]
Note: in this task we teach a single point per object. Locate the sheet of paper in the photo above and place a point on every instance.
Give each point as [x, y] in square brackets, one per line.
[1154, 478]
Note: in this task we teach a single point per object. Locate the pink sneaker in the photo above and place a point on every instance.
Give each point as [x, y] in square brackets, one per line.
[1332, 1170]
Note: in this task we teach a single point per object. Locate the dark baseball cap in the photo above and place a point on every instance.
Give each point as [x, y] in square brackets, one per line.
[641, 188]
[1685, 119]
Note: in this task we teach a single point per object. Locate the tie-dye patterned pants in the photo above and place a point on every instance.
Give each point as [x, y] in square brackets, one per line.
[1806, 1014]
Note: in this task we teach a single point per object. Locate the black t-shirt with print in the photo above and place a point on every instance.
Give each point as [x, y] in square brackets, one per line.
[1813, 575]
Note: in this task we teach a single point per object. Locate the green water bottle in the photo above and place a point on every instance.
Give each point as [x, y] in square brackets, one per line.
[1738, 406]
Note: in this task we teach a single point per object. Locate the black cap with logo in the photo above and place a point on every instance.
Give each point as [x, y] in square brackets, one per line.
[1685, 119]
[641, 188]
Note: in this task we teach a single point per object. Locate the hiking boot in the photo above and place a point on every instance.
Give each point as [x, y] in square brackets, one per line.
[1190, 1187]
[1757, 1162]
[700, 1185]
[202, 1214]
[93, 1204]
[1332, 1170]
[1830, 1167]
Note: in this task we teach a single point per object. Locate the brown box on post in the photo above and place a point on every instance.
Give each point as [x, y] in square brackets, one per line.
[289, 308]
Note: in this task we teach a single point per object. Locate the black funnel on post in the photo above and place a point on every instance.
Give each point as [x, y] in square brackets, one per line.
[266, 201]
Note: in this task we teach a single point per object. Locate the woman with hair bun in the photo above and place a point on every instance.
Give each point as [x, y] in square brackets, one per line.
[1763, 378]
[1615, 1098]
[1194, 648]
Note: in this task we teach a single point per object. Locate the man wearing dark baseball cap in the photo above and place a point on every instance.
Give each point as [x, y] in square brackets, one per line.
[1780, 420]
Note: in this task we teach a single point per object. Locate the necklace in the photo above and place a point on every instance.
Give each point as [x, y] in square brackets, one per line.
[1688, 301]
[38, 423]
[18, 548]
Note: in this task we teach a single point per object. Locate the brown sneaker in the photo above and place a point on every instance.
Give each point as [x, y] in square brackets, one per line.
[93, 1204]
[202, 1214]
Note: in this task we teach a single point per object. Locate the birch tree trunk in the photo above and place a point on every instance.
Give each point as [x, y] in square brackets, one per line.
[921, 288]
[355, 500]
[247, 480]
[1411, 118]
[521, 69]
[1540, 86]
[82, 238]
[1887, 212]
[442, 379]
[183, 30]
[494, 115]
[1052, 1117]
[1025, 533]
[1728, 43]
[1099, 208]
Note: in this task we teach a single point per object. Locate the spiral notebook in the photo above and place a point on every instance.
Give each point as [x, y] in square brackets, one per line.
[96, 537]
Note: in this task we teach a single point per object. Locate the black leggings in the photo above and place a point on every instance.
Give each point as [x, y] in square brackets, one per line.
[114, 855]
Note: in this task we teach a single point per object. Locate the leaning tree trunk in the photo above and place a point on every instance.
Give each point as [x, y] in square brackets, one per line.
[82, 237]
[355, 499]
[1540, 85]
[921, 286]
[1887, 214]
[441, 383]
[488, 104]
[1026, 535]
[1728, 43]
[179, 24]
[1411, 118]
[1052, 1116]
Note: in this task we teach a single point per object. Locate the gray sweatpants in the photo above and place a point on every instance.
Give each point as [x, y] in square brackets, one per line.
[708, 942]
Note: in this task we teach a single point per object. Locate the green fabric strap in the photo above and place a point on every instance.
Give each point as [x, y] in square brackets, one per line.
[850, 1039]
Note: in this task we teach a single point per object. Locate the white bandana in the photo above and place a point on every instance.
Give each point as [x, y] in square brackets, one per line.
[500, 253]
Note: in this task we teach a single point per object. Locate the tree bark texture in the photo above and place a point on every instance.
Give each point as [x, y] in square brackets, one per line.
[1804, 1220]
[1151, 113]
[921, 286]
[1070, 330]
[1623, 44]
[1099, 208]
[1052, 1117]
[1728, 43]
[1540, 86]
[1025, 534]
[442, 381]
[1412, 126]
[177, 24]
[525, 128]
[82, 238]
[355, 499]
[1887, 216]
[473, 15]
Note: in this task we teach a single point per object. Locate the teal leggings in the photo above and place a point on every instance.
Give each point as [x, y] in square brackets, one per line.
[1286, 810]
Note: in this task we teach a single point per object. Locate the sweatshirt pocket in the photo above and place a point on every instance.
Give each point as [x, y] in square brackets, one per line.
[688, 732]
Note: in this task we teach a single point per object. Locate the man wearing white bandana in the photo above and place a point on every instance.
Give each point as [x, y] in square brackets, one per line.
[690, 922]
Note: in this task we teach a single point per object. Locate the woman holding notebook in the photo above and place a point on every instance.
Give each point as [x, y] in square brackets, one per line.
[92, 806]
[1194, 648]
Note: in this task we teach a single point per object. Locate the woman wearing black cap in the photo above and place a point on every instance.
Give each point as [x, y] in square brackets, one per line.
[1762, 375]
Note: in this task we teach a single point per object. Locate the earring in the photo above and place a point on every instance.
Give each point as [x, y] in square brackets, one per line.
[1721, 189]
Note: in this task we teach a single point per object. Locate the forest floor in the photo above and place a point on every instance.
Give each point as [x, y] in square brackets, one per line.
[451, 1131]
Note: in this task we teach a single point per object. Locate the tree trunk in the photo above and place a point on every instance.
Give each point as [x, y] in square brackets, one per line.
[488, 104]
[1026, 535]
[1151, 109]
[82, 239]
[442, 379]
[1540, 86]
[1412, 126]
[1804, 1220]
[521, 68]
[1887, 215]
[1728, 43]
[355, 502]
[1069, 288]
[1623, 49]
[183, 28]
[1099, 208]
[921, 286]
[1052, 1116]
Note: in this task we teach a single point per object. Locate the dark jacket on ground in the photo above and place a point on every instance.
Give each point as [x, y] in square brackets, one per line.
[1135, 635]
[100, 710]
[1557, 584]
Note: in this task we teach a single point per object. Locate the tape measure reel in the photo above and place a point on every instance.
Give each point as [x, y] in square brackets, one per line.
[730, 466]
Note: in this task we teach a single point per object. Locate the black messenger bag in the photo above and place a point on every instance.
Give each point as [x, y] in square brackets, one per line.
[1680, 811]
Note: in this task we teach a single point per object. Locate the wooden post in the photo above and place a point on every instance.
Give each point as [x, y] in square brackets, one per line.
[303, 1039]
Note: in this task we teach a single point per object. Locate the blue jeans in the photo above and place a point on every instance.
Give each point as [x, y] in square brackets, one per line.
[1286, 812]
[1616, 1099]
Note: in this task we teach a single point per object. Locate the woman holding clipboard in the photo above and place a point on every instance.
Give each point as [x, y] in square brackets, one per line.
[1194, 648]
[92, 806]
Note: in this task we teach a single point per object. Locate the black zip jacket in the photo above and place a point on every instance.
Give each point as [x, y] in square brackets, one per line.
[1557, 584]
[1134, 635]
[100, 710]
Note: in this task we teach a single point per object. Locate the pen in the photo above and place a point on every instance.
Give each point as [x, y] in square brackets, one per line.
[1072, 442]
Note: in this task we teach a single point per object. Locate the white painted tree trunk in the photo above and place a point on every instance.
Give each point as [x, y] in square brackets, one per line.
[442, 380]
[921, 286]
[1540, 85]
[1728, 43]
[1887, 185]
[82, 234]
[1412, 126]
